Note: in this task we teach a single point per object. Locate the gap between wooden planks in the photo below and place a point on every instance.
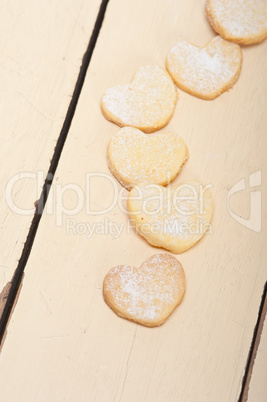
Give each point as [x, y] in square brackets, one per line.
[257, 386]
[12, 288]
[254, 387]
[41, 47]
[3, 301]
[62, 326]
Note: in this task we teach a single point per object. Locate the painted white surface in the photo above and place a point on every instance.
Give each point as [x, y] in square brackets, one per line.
[41, 48]
[63, 342]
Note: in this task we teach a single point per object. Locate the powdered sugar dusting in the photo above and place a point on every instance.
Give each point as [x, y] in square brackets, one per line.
[147, 103]
[146, 294]
[240, 20]
[173, 218]
[136, 158]
[204, 71]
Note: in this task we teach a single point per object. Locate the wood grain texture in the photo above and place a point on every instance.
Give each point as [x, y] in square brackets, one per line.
[41, 48]
[68, 345]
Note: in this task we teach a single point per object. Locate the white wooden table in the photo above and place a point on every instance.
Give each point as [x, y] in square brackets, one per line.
[62, 342]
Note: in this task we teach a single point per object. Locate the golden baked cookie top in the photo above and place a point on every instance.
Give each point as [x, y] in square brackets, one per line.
[205, 72]
[146, 295]
[147, 103]
[240, 21]
[174, 218]
[135, 157]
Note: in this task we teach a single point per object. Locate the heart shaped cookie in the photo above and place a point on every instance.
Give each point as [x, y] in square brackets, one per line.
[240, 21]
[147, 103]
[136, 158]
[205, 72]
[146, 295]
[172, 218]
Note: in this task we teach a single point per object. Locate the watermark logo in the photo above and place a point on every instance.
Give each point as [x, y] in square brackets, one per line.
[90, 229]
[186, 201]
[254, 220]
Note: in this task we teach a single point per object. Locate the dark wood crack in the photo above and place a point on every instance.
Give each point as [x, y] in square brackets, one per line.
[18, 274]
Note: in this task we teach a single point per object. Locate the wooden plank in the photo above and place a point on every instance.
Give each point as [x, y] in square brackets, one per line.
[63, 342]
[3, 301]
[257, 389]
[41, 48]
[3, 297]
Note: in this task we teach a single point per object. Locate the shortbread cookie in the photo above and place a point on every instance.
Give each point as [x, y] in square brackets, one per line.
[146, 295]
[240, 21]
[136, 158]
[205, 72]
[147, 103]
[172, 218]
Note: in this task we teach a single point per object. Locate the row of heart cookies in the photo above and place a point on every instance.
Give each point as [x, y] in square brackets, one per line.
[166, 217]
[172, 218]
[149, 294]
[203, 72]
[148, 102]
[144, 165]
